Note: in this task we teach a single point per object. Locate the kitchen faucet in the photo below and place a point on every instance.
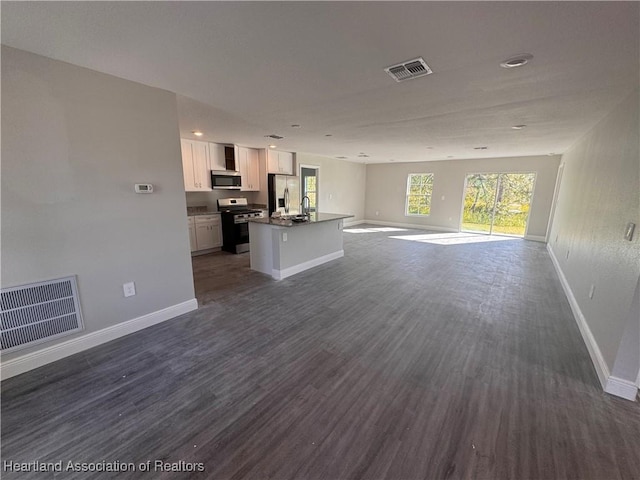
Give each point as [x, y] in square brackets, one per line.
[307, 211]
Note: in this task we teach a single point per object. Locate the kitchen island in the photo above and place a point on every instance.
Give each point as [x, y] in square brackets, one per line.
[281, 247]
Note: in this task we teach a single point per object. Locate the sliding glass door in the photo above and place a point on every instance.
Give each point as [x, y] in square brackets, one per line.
[497, 203]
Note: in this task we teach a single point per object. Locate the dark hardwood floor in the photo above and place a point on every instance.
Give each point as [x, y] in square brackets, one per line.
[402, 360]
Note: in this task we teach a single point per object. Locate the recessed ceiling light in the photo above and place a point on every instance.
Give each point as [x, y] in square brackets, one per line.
[272, 146]
[480, 148]
[295, 125]
[517, 60]
[197, 133]
[518, 127]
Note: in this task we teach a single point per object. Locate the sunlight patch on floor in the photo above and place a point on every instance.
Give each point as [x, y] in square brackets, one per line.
[374, 230]
[454, 238]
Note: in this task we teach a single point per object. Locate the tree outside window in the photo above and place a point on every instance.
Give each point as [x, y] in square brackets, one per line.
[419, 189]
[310, 190]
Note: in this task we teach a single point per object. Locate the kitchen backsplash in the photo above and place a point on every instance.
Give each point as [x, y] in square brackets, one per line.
[209, 200]
[197, 209]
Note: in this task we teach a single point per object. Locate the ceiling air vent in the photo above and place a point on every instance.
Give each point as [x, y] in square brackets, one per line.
[274, 136]
[408, 70]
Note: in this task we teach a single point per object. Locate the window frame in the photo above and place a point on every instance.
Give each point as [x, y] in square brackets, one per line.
[407, 194]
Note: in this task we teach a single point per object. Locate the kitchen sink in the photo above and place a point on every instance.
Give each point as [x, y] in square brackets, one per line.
[299, 218]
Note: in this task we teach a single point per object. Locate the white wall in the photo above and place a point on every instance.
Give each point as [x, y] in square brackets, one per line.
[74, 141]
[387, 184]
[599, 194]
[341, 185]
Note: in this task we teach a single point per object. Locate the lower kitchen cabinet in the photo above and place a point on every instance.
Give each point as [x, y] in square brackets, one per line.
[192, 234]
[205, 233]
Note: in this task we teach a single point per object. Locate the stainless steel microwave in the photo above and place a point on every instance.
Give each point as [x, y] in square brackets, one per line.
[225, 180]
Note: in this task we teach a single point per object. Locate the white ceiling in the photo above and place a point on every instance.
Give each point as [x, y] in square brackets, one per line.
[246, 69]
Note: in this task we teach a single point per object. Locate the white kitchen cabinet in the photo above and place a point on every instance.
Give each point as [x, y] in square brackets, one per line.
[195, 165]
[208, 232]
[192, 235]
[248, 160]
[279, 162]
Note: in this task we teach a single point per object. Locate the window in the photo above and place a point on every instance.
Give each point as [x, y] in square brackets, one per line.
[310, 186]
[419, 188]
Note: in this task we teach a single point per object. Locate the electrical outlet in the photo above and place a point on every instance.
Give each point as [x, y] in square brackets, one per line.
[129, 289]
[591, 290]
[330, 196]
[284, 236]
[377, 213]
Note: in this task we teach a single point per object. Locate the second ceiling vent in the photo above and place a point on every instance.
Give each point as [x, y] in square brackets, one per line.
[410, 69]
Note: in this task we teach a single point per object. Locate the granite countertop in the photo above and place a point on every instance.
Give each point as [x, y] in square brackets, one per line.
[318, 217]
[194, 211]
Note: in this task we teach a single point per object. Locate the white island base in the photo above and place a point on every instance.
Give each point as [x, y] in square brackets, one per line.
[282, 249]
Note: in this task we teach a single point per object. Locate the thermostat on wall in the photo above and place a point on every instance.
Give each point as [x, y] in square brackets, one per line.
[144, 188]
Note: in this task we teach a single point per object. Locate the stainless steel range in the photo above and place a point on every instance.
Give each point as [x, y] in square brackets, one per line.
[235, 215]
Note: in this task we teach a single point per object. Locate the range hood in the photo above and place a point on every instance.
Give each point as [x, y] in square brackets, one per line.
[230, 158]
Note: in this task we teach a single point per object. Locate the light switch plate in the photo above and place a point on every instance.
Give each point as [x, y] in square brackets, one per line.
[628, 233]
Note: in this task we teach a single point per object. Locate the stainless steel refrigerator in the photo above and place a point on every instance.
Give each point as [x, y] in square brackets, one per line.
[284, 194]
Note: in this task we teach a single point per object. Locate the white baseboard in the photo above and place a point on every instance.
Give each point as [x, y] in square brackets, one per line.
[594, 351]
[301, 267]
[353, 223]
[536, 238]
[32, 360]
[412, 225]
[621, 388]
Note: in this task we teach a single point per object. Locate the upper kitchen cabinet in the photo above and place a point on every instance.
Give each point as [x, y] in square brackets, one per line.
[279, 162]
[249, 163]
[195, 165]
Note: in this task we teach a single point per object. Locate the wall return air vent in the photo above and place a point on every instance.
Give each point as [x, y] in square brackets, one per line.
[39, 312]
[410, 69]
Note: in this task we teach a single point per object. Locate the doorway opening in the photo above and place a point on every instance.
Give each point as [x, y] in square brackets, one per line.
[497, 203]
[309, 185]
